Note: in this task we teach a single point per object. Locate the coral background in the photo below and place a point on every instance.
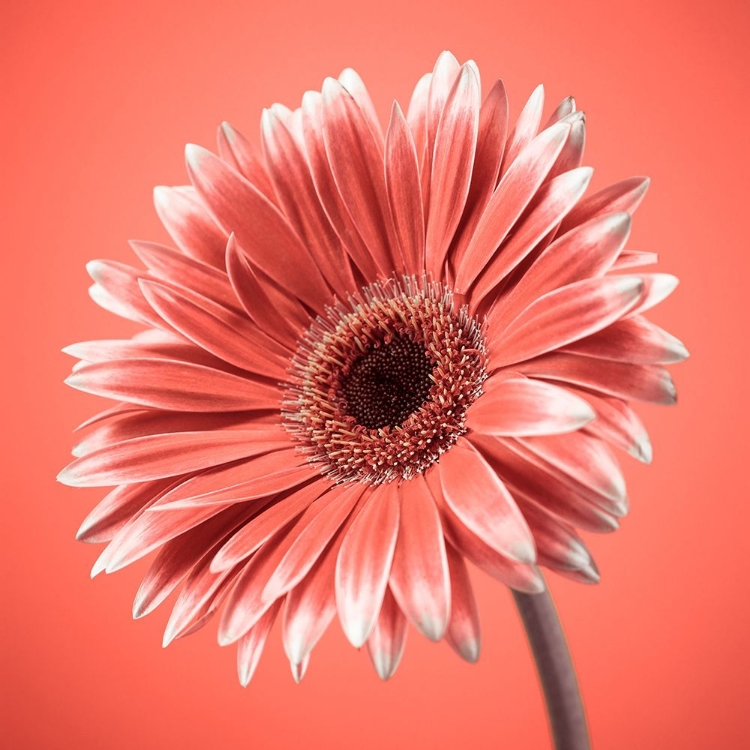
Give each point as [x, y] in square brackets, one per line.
[100, 98]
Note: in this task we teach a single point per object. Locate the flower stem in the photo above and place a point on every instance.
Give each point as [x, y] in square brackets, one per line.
[564, 706]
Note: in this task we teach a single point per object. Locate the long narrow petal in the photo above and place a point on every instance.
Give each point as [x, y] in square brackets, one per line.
[357, 167]
[525, 407]
[475, 493]
[190, 225]
[245, 157]
[120, 282]
[177, 386]
[258, 477]
[313, 540]
[622, 196]
[117, 508]
[635, 340]
[587, 251]
[587, 461]
[656, 288]
[526, 127]
[218, 329]
[364, 563]
[191, 273]
[260, 228]
[419, 579]
[404, 192]
[325, 186]
[463, 633]
[517, 575]
[176, 559]
[617, 423]
[452, 166]
[258, 531]
[388, 638]
[493, 125]
[251, 645]
[264, 301]
[533, 479]
[294, 186]
[157, 456]
[563, 316]
[352, 82]
[553, 201]
[510, 198]
[651, 383]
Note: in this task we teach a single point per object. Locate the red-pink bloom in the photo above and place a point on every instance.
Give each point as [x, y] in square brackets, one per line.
[372, 357]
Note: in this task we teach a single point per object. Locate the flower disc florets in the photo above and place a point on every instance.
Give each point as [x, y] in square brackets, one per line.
[382, 384]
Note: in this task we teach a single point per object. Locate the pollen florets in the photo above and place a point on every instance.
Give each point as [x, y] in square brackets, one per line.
[381, 384]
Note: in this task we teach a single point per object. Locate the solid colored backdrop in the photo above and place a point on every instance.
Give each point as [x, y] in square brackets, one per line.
[99, 98]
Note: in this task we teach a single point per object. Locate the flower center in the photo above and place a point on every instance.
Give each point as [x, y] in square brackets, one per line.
[380, 386]
[387, 383]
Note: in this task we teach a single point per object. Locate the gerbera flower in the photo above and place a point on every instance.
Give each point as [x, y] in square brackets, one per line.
[371, 358]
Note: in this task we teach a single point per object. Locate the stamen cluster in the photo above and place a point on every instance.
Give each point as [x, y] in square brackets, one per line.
[381, 385]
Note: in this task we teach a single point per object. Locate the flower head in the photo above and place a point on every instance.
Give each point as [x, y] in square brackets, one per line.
[372, 357]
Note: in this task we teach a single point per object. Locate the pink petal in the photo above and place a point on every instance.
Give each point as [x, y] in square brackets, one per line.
[168, 264]
[571, 156]
[153, 422]
[553, 201]
[388, 638]
[404, 192]
[263, 300]
[474, 492]
[512, 195]
[293, 183]
[584, 252]
[463, 633]
[441, 82]
[561, 317]
[493, 124]
[533, 480]
[257, 532]
[618, 424]
[260, 228]
[526, 127]
[416, 116]
[656, 288]
[634, 340]
[587, 461]
[246, 603]
[261, 476]
[519, 576]
[452, 165]
[189, 224]
[419, 578]
[176, 559]
[651, 383]
[314, 539]
[251, 645]
[245, 157]
[151, 530]
[178, 386]
[559, 547]
[364, 563]
[219, 330]
[120, 283]
[117, 508]
[158, 456]
[325, 185]
[566, 107]
[351, 81]
[634, 258]
[199, 596]
[527, 407]
[622, 196]
[357, 167]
